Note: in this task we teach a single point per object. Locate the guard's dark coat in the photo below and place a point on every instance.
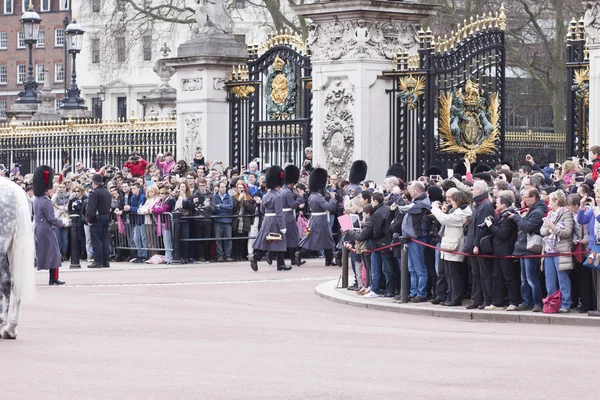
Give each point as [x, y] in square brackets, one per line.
[271, 204]
[290, 201]
[46, 244]
[320, 237]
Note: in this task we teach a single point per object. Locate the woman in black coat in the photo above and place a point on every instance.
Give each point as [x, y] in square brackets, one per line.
[506, 270]
[76, 206]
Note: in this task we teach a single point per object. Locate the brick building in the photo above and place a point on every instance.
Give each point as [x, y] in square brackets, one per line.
[48, 53]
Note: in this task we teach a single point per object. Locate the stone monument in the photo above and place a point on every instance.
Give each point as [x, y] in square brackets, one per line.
[202, 64]
[592, 30]
[46, 111]
[161, 101]
[352, 42]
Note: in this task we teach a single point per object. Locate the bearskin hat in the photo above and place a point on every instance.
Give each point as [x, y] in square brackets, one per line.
[358, 172]
[396, 170]
[433, 171]
[292, 174]
[460, 169]
[481, 168]
[317, 180]
[274, 177]
[42, 180]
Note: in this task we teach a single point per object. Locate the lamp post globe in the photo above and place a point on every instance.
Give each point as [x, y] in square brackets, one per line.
[30, 23]
[74, 40]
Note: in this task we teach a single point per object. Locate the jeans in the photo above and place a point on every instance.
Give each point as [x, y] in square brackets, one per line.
[99, 233]
[139, 239]
[167, 242]
[223, 246]
[88, 241]
[417, 269]
[382, 262]
[531, 289]
[62, 235]
[554, 277]
[356, 261]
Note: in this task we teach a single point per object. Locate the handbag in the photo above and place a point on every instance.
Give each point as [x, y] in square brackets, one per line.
[552, 302]
[121, 225]
[579, 248]
[534, 243]
[485, 245]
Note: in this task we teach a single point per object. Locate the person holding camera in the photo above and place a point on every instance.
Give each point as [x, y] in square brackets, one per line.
[222, 203]
[202, 227]
[136, 165]
[165, 162]
[504, 235]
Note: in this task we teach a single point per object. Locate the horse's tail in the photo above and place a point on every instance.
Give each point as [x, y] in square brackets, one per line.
[21, 254]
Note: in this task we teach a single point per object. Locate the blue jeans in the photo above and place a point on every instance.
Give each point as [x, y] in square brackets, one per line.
[356, 262]
[62, 235]
[223, 246]
[139, 238]
[554, 277]
[375, 273]
[167, 242]
[531, 288]
[417, 269]
[382, 262]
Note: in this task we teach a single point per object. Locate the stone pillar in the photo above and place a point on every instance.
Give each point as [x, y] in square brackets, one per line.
[592, 30]
[352, 43]
[202, 65]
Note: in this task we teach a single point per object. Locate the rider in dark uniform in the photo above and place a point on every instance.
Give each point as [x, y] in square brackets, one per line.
[319, 235]
[273, 223]
[291, 202]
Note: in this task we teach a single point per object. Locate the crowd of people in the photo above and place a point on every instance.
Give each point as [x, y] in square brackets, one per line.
[503, 237]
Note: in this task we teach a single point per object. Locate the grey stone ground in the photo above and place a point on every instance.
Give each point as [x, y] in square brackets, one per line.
[225, 332]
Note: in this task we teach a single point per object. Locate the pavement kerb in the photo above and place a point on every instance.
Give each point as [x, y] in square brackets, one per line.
[329, 291]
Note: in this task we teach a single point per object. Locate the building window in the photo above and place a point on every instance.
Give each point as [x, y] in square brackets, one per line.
[240, 3]
[96, 108]
[64, 4]
[95, 51]
[96, 6]
[121, 55]
[59, 37]
[44, 5]
[122, 108]
[57, 104]
[59, 72]
[41, 39]
[39, 72]
[20, 73]
[147, 44]
[20, 40]
[3, 40]
[3, 109]
[3, 75]
[8, 6]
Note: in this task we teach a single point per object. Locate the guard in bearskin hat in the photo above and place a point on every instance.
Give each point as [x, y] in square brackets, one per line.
[271, 236]
[358, 173]
[291, 202]
[319, 236]
[396, 170]
[46, 245]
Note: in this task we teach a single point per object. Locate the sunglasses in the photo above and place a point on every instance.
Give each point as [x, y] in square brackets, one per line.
[78, 191]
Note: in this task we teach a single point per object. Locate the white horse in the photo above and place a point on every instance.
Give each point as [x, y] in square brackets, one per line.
[17, 255]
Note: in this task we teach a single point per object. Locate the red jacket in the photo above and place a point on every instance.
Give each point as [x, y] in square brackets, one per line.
[595, 168]
[136, 169]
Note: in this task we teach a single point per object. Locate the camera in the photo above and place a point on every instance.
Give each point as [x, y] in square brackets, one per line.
[18, 165]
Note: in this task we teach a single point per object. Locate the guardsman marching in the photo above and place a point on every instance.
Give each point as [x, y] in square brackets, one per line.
[291, 202]
[319, 236]
[271, 236]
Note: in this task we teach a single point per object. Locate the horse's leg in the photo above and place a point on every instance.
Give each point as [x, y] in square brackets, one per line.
[4, 291]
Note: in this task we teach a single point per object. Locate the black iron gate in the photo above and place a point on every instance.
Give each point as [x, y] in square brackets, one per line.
[578, 80]
[270, 103]
[448, 100]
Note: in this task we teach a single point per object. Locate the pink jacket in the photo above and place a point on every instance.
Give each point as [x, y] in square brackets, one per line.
[164, 166]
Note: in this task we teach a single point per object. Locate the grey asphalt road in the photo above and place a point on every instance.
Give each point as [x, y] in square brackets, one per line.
[225, 332]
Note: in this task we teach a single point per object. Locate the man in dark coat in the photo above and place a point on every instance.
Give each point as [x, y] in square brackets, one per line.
[319, 236]
[481, 267]
[97, 218]
[291, 202]
[271, 236]
[46, 244]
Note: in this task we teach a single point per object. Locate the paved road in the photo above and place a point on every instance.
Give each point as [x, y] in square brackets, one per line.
[225, 332]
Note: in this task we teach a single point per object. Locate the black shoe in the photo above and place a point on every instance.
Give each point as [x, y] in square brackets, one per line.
[473, 306]
[353, 287]
[452, 304]
[229, 259]
[483, 306]
[582, 310]
[269, 259]
[297, 258]
[283, 268]
[56, 282]
[75, 267]
[95, 265]
[253, 263]
[437, 300]
[389, 294]
[118, 259]
[106, 266]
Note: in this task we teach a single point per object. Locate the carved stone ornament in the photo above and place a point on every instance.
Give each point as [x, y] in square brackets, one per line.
[212, 17]
[191, 136]
[591, 21]
[338, 133]
[362, 38]
[219, 83]
[191, 85]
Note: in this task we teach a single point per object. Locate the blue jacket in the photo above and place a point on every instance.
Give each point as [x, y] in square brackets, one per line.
[222, 207]
[412, 224]
[135, 204]
[586, 216]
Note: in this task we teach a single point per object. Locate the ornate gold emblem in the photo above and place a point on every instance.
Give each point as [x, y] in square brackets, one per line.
[581, 84]
[280, 90]
[243, 91]
[411, 89]
[469, 122]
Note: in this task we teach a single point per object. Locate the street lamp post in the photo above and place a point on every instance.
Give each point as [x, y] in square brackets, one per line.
[30, 23]
[74, 39]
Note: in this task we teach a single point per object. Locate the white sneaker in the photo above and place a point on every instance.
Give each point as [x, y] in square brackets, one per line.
[132, 260]
[512, 307]
[371, 295]
[493, 308]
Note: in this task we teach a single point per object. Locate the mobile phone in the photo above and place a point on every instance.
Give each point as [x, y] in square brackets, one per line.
[434, 177]
[580, 179]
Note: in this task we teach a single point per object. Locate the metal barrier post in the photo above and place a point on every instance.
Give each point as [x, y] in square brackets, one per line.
[596, 280]
[404, 274]
[176, 234]
[74, 242]
[345, 260]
